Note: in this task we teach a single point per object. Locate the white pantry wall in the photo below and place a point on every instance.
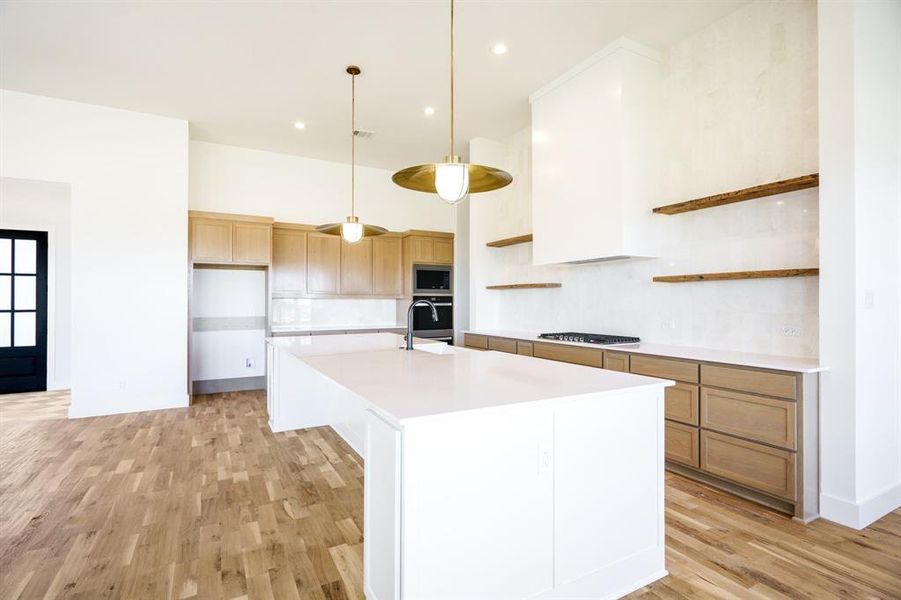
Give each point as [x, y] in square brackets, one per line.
[296, 189]
[128, 176]
[45, 206]
[740, 108]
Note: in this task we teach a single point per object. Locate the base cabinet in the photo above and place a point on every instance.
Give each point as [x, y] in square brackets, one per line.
[681, 443]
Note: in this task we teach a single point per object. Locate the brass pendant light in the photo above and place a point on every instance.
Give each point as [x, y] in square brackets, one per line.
[351, 229]
[452, 179]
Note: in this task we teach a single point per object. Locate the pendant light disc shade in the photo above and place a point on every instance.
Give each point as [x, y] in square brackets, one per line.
[337, 228]
[421, 178]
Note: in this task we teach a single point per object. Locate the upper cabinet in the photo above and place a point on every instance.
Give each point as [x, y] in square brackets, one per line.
[289, 261]
[428, 247]
[356, 268]
[387, 264]
[594, 158]
[229, 239]
[323, 264]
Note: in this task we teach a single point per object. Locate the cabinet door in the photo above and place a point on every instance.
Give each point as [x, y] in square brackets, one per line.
[387, 276]
[422, 249]
[289, 261]
[211, 240]
[323, 263]
[356, 267]
[253, 243]
[443, 251]
[681, 443]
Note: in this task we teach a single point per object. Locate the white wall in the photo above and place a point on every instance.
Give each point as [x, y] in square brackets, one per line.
[44, 206]
[304, 190]
[128, 175]
[860, 150]
[740, 105]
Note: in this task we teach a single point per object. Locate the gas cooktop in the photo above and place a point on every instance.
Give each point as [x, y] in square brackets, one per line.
[590, 338]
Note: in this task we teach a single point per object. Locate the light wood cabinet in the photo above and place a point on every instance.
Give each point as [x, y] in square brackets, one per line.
[502, 345]
[443, 251]
[323, 264]
[252, 244]
[681, 443]
[421, 249]
[769, 470]
[425, 247]
[356, 268]
[616, 361]
[289, 261]
[474, 340]
[524, 348]
[211, 240]
[757, 418]
[748, 380]
[571, 354]
[681, 403]
[387, 261]
[665, 368]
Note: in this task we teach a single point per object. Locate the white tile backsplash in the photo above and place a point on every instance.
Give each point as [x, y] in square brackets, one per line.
[317, 312]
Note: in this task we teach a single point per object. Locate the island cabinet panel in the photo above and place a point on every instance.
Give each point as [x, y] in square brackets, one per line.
[502, 344]
[474, 340]
[769, 470]
[571, 354]
[323, 263]
[756, 418]
[253, 243]
[616, 361]
[387, 260]
[356, 268]
[382, 510]
[682, 403]
[665, 368]
[681, 444]
[524, 348]
[289, 261]
[211, 240]
[782, 385]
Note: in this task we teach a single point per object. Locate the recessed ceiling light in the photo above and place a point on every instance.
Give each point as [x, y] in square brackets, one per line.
[429, 111]
[499, 48]
[300, 125]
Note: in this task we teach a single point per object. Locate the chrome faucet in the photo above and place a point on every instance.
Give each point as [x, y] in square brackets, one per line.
[414, 304]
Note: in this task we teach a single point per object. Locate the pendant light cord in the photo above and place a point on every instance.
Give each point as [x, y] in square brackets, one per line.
[353, 141]
[452, 80]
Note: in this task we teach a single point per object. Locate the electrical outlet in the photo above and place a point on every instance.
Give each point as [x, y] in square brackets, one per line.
[791, 330]
[869, 299]
[545, 458]
[668, 324]
[249, 363]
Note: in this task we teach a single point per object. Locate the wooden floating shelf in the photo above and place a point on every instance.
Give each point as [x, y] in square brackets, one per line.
[758, 191]
[523, 286]
[775, 273]
[512, 241]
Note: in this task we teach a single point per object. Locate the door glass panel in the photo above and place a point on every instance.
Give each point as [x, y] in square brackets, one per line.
[25, 329]
[5, 330]
[6, 291]
[26, 256]
[25, 292]
[6, 256]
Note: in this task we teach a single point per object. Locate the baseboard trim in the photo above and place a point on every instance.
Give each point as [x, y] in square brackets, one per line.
[859, 515]
[235, 384]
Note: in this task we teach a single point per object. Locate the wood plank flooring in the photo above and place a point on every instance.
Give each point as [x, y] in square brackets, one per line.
[205, 502]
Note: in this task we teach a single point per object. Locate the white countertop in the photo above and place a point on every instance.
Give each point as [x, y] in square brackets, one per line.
[403, 385]
[315, 328]
[747, 359]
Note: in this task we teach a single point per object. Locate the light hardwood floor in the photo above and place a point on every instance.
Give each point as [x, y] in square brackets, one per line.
[206, 502]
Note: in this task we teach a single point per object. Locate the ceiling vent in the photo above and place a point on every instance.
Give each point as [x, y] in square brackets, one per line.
[363, 134]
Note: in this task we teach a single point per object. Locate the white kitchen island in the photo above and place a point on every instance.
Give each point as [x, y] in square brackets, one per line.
[489, 475]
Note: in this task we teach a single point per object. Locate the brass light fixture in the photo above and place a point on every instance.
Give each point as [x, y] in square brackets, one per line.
[452, 179]
[351, 229]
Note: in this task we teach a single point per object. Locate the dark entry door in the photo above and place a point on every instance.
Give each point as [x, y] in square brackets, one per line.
[23, 311]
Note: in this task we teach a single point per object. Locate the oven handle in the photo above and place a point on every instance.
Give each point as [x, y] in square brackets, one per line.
[437, 305]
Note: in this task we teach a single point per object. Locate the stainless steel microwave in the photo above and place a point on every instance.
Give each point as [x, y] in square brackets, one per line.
[433, 279]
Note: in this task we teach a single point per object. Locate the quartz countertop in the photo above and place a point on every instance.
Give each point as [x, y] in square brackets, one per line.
[401, 385]
[747, 359]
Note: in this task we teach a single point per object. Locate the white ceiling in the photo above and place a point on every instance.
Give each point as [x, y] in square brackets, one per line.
[243, 72]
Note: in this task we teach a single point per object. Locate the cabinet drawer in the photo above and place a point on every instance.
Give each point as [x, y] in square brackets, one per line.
[570, 354]
[746, 380]
[502, 345]
[760, 419]
[666, 368]
[767, 469]
[524, 348]
[681, 443]
[616, 361]
[682, 403]
[473, 340]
